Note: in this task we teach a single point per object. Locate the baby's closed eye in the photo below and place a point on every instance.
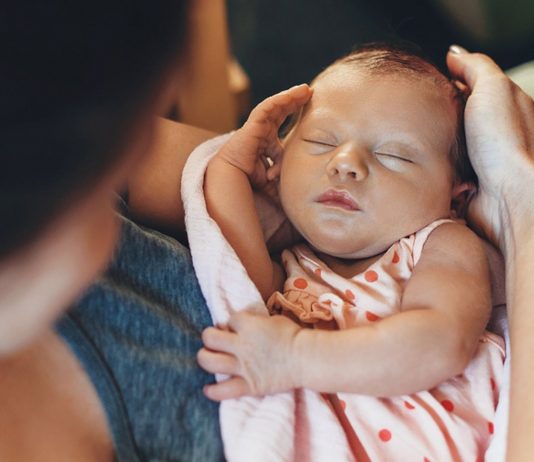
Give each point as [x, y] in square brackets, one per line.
[392, 160]
[320, 146]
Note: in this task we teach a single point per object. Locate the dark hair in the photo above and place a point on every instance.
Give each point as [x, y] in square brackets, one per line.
[383, 58]
[74, 78]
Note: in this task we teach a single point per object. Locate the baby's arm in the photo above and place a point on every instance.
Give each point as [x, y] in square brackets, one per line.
[445, 309]
[240, 164]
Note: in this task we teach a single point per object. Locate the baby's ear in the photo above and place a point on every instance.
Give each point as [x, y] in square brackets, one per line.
[462, 192]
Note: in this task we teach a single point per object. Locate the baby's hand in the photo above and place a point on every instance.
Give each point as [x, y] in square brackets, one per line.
[256, 353]
[257, 140]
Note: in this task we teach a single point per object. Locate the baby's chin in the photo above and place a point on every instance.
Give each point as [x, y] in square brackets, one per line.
[334, 244]
[345, 253]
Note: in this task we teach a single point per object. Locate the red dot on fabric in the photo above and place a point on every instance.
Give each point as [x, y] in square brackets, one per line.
[300, 283]
[371, 276]
[408, 405]
[447, 405]
[426, 459]
[492, 383]
[343, 404]
[491, 428]
[371, 316]
[384, 435]
[349, 294]
[318, 271]
[396, 258]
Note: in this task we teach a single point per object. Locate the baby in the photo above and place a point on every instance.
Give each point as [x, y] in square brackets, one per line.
[397, 290]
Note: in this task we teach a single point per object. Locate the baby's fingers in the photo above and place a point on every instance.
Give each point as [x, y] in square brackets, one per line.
[217, 363]
[219, 340]
[276, 108]
[234, 387]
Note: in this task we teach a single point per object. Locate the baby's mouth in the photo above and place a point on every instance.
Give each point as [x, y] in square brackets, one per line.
[336, 198]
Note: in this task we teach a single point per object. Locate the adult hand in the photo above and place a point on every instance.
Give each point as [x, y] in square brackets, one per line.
[499, 128]
[255, 352]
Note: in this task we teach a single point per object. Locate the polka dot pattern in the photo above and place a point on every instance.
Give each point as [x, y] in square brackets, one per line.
[371, 276]
[300, 283]
[408, 405]
[384, 435]
[349, 295]
[447, 405]
[371, 316]
[363, 299]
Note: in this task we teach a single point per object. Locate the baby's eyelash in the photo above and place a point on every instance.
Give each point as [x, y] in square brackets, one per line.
[393, 156]
[318, 142]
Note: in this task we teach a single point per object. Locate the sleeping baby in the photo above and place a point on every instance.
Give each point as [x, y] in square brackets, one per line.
[382, 302]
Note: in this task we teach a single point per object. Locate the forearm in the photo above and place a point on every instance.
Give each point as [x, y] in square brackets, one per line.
[154, 196]
[520, 302]
[230, 202]
[403, 354]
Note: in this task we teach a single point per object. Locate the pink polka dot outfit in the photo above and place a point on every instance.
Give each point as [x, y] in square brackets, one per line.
[451, 422]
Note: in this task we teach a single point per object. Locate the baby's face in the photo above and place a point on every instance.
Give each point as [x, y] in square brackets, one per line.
[368, 163]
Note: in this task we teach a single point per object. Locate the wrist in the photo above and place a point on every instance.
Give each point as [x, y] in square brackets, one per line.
[297, 357]
[232, 158]
[310, 358]
[517, 222]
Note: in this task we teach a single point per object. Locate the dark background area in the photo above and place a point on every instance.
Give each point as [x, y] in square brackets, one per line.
[280, 43]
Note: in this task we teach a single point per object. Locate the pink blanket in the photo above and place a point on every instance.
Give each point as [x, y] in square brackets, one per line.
[297, 425]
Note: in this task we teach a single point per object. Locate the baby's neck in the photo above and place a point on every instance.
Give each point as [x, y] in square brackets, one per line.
[348, 268]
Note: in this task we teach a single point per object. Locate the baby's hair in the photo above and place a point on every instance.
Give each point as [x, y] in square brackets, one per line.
[407, 59]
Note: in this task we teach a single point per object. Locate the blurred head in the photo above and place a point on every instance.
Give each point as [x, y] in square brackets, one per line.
[81, 82]
[376, 154]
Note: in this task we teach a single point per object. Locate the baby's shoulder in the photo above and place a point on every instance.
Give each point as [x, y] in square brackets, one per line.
[454, 240]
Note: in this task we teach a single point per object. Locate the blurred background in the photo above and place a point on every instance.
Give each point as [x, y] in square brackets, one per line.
[264, 46]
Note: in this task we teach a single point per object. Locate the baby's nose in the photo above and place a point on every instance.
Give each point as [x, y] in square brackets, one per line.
[348, 165]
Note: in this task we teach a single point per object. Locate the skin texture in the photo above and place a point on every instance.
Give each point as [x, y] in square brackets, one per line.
[499, 124]
[383, 143]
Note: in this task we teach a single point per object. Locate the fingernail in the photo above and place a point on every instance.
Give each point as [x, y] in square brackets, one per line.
[457, 50]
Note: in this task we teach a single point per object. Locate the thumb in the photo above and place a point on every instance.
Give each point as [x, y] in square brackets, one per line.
[470, 68]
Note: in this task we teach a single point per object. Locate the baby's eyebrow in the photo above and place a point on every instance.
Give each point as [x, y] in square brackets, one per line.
[317, 116]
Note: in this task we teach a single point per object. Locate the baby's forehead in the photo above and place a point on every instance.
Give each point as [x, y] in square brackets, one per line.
[406, 105]
[355, 72]
[344, 85]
